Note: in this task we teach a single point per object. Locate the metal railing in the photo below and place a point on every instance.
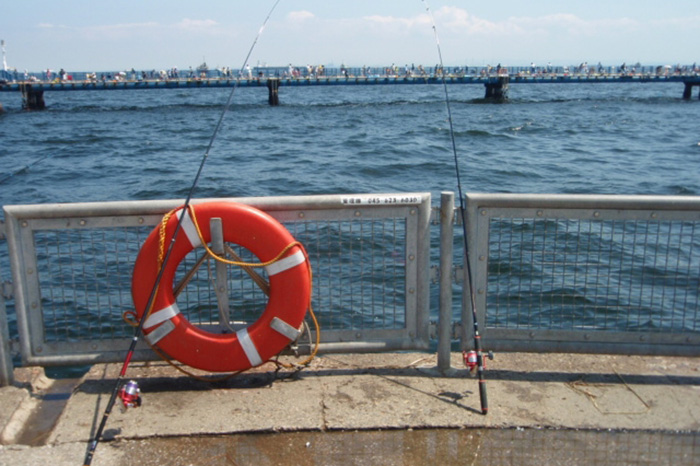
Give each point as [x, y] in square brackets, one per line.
[573, 273]
[72, 267]
[584, 273]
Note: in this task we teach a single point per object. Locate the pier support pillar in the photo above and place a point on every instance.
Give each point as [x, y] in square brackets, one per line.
[32, 99]
[273, 89]
[497, 89]
[688, 91]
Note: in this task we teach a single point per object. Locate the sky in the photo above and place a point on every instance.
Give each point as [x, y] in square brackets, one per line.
[80, 35]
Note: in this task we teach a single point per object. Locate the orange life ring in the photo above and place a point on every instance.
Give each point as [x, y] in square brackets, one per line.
[289, 298]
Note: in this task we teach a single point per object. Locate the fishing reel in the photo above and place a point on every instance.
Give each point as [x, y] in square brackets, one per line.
[471, 359]
[130, 394]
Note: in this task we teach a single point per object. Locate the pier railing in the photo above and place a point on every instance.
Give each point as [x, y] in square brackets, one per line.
[572, 273]
[72, 266]
[584, 273]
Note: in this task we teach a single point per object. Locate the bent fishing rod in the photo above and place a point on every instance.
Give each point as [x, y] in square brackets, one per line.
[139, 328]
[470, 283]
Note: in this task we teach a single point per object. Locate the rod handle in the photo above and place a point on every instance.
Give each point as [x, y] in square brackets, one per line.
[483, 397]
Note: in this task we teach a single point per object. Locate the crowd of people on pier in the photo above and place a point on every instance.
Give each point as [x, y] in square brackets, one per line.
[317, 71]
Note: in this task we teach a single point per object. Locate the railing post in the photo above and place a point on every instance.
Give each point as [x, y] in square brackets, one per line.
[687, 91]
[422, 291]
[447, 204]
[6, 372]
[467, 331]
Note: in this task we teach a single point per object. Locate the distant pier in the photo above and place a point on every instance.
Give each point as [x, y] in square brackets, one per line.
[496, 85]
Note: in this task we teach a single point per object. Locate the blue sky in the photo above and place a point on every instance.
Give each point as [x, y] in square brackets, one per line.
[83, 35]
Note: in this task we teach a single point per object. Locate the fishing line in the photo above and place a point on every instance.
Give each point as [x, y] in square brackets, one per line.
[139, 329]
[462, 210]
[24, 168]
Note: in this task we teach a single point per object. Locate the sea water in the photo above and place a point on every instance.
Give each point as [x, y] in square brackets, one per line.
[629, 138]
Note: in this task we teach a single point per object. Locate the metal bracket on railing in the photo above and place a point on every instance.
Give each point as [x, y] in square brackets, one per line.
[455, 330]
[432, 330]
[434, 274]
[15, 348]
[458, 274]
[435, 215]
[457, 217]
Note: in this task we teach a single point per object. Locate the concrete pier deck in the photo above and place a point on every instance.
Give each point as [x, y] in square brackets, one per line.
[348, 409]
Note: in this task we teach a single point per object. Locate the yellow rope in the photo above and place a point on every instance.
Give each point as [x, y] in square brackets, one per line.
[161, 235]
[130, 317]
[238, 263]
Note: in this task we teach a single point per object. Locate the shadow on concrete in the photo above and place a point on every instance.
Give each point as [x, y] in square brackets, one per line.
[263, 379]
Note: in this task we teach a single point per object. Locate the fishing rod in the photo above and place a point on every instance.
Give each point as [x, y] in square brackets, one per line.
[462, 211]
[92, 446]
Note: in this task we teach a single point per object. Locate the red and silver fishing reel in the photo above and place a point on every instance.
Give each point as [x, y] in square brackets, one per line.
[130, 394]
[471, 359]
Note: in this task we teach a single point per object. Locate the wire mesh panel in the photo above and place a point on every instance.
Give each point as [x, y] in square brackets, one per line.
[610, 275]
[72, 268]
[359, 270]
[579, 271]
[85, 279]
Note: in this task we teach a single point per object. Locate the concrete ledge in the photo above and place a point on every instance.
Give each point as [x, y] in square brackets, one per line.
[386, 391]
[379, 391]
[13, 399]
[20, 400]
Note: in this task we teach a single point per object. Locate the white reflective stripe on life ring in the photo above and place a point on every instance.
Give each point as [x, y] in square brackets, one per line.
[286, 263]
[164, 314]
[161, 332]
[189, 228]
[249, 347]
[284, 328]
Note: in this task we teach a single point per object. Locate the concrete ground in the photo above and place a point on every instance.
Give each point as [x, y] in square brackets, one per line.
[350, 401]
